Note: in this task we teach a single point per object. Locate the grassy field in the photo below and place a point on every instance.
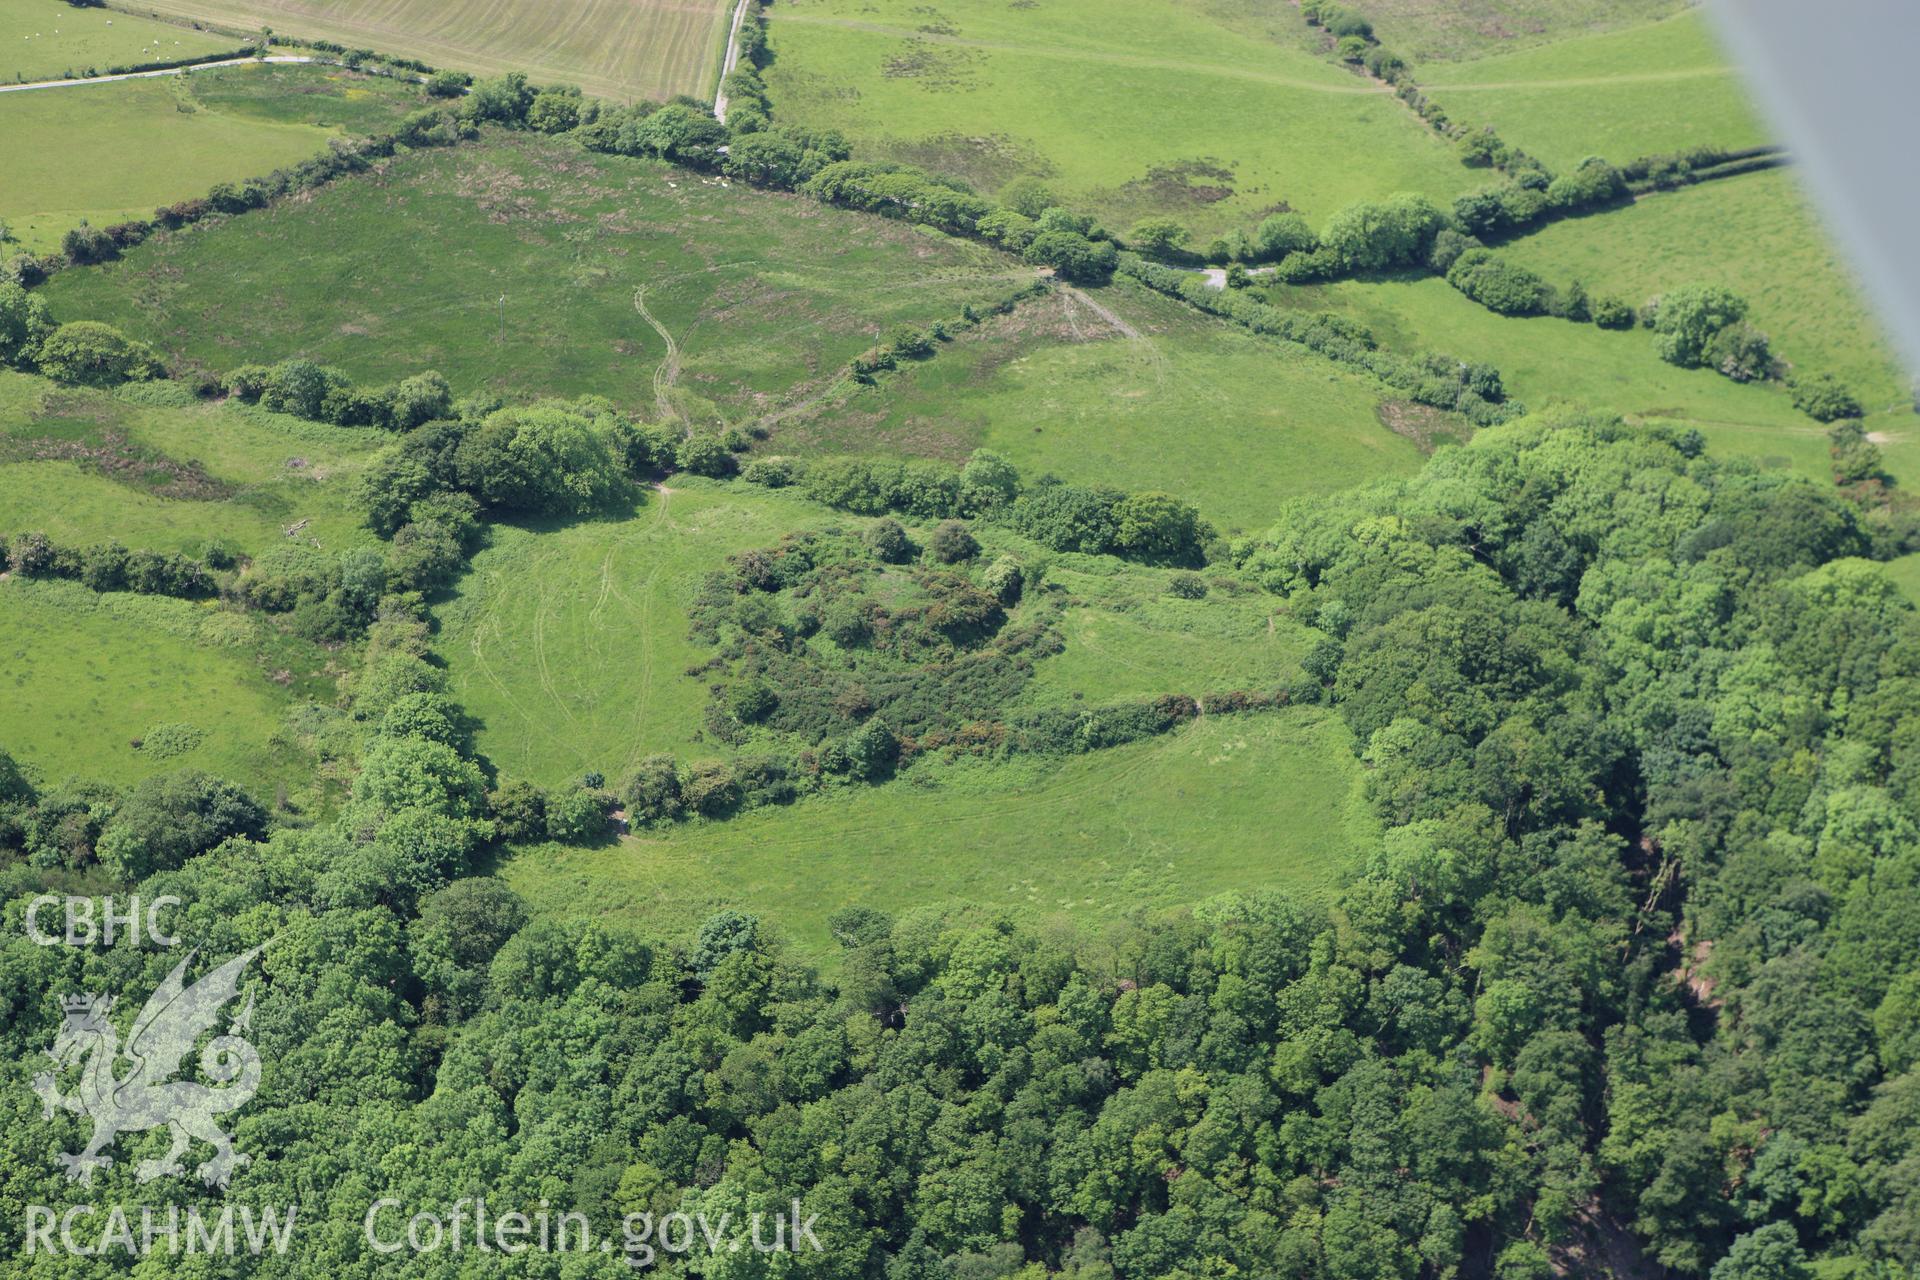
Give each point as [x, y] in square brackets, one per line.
[669, 293]
[1440, 30]
[84, 675]
[1547, 360]
[51, 40]
[1905, 573]
[84, 466]
[570, 643]
[1126, 638]
[1657, 87]
[1214, 114]
[106, 153]
[1227, 803]
[1192, 405]
[621, 49]
[1760, 236]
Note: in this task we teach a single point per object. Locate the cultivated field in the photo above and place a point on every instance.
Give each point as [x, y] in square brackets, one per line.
[106, 153]
[51, 40]
[1227, 803]
[1759, 235]
[619, 49]
[670, 293]
[1440, 30]
[1659, 87]
[1214, 116]
[1181, 402]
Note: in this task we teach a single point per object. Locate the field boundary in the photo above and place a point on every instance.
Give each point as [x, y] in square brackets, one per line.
[179, 68]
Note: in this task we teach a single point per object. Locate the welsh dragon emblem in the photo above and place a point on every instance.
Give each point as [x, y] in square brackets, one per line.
[146, 1096]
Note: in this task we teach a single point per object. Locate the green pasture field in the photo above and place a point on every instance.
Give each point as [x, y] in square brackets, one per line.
[106, 153]
[669, 293]
[1659, 87]
[1546, 360]
[83, 674]
[1189, 404]
[621, 49]
[1905, 573]
[52, 40]
[86, 466]
[1759, 235]
[1230, 802]
[568, 643]
[1126, 637]
[1441, 30]
[1213, 114]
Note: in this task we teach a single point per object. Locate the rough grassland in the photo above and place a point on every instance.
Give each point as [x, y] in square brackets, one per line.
[51, 40]
[85, 466]
[1191, 405]
[1214, 115]
[1654, 88]
[1423, 30]
[106, 153]
[623, 49]
[1757, 234]
[1228, 803]
[330, 97]
[82, 675]
[1125, 637]
[669, 293]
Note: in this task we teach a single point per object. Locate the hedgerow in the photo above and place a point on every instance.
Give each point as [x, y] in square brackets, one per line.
[108, 566]
[1471, 389]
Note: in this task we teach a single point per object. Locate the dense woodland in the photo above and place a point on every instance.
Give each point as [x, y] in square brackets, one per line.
[1635, 954]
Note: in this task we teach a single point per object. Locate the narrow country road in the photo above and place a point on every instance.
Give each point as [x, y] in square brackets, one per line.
[148, 75]
[728, 63]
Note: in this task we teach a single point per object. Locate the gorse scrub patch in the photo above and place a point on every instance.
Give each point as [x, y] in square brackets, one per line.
[165, 741]
[821, 635]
